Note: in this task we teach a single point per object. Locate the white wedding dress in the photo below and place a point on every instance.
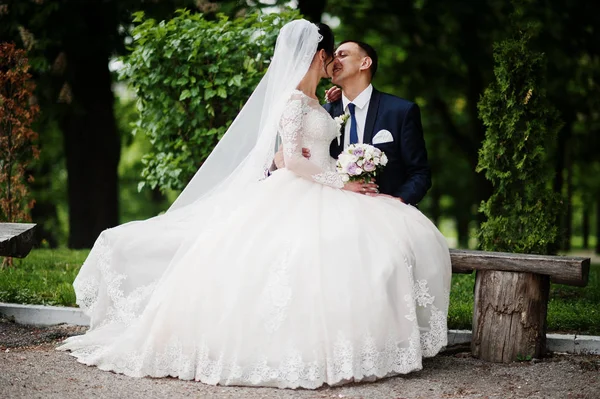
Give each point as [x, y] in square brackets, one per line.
[294, 283]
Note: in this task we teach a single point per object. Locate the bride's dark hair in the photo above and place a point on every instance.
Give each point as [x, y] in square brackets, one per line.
[327, 43]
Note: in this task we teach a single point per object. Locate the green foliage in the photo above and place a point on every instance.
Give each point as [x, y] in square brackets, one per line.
[460, 312]
[134, 205]
[192, 76]
[44, 277]
[521, 123]
[523, 358]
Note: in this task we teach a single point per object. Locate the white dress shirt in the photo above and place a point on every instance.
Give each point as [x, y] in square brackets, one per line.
[362, 107]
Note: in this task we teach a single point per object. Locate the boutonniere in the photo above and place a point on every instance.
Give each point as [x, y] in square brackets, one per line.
[341, 123]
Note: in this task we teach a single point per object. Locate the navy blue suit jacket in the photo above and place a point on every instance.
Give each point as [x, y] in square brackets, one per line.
[407, 174]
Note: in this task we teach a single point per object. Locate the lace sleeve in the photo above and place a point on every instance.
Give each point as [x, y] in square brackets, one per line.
[290, 128]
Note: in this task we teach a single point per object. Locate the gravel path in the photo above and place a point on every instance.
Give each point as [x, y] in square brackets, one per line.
[31, 368]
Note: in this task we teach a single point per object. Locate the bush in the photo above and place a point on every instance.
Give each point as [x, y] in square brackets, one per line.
[192, 76]
[521, 123]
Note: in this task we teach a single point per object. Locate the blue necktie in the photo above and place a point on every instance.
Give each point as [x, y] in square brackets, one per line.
[353, 128]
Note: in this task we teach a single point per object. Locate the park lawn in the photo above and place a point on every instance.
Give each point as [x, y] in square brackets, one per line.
[45, 277]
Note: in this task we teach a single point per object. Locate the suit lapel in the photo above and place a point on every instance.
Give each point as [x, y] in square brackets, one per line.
[371, 116]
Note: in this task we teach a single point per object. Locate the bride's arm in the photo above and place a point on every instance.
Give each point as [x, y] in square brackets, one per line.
[290, 128]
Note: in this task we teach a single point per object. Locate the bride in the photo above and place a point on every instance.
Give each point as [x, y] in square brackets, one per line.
[289, 281]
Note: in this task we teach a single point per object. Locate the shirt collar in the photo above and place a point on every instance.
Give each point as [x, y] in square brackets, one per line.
[361, 100]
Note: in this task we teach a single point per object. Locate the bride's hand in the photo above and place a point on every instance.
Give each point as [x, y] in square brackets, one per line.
[333, 94]
[362, 188]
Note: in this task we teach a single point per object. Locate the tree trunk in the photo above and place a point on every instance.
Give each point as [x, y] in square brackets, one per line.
[92, 144]
[44, 212]
[312, 9]
[585, 225]
[561, 154]
[509, 316]
[598, 225]
[568, 220]
[462, 230]
[475, 87]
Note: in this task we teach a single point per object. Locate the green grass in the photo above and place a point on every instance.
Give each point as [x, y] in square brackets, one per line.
[45, 277]
[571, 309]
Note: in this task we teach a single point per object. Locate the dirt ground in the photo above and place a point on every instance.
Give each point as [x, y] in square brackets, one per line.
[31, 368]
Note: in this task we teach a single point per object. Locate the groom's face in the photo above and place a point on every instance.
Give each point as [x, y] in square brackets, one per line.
[349, 58]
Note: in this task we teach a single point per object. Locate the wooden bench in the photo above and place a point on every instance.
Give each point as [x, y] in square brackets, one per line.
[16, 239]
[511, 299]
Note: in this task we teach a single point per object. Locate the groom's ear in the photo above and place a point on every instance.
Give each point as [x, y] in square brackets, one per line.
[366, 63]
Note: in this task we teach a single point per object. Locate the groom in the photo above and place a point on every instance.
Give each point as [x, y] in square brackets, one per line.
[388, 122]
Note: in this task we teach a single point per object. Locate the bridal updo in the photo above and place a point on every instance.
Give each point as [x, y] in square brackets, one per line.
[327, 42]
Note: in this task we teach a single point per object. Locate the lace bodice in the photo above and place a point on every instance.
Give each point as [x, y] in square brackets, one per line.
[305, 123]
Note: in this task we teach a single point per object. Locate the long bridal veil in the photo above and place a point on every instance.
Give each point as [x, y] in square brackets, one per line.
[247, 148]
[127, 262]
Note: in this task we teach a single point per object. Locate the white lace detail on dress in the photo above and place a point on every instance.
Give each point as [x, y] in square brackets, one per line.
[123, 308]
[306, 124]
[277, 293]
[362, 359]
[435, 337]
[329, 179]
[422, 295]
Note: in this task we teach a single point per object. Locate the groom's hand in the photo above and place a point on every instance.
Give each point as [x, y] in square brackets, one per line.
[333, 94]
[279, 161]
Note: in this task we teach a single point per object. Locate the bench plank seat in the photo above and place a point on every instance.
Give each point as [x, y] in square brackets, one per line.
[561, 269]
[16, 239]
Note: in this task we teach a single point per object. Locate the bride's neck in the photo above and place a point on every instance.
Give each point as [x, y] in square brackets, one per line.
[308, 85]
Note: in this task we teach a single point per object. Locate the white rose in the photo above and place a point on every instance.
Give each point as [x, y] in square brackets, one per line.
[383, 160]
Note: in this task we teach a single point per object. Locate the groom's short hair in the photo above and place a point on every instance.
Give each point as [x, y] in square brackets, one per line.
[370, 51]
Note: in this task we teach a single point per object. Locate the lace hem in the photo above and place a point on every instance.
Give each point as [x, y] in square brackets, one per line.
[346, 362]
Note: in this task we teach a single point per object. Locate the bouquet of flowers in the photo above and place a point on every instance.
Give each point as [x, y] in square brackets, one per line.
[360, 162]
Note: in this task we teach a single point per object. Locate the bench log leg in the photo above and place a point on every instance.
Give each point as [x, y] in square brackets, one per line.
[509, 315]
